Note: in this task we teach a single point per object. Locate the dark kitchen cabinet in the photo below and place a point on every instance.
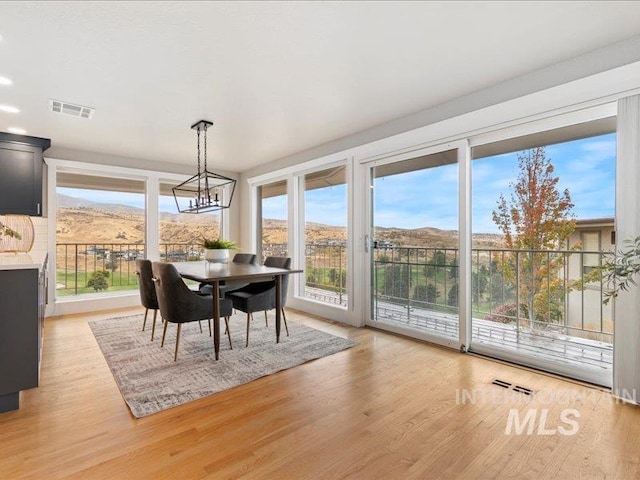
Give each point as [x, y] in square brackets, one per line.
[22, 308]
[21, 174]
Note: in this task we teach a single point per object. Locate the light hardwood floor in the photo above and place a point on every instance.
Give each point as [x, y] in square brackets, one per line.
[385, 409]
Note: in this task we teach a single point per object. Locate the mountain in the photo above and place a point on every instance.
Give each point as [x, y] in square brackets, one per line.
[85, 221]
[275, 231]
[66, 201]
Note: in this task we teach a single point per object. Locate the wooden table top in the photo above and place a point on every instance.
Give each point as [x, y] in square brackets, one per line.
[206, 272]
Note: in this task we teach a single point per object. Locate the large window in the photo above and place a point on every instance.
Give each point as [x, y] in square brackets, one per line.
[100, 232]
[325, 233]
[273, 224]
[181, 234]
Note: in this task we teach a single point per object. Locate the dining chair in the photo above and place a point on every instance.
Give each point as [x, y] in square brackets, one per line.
[147, 288]
[244, 258]
[261, 296]
[178, 304]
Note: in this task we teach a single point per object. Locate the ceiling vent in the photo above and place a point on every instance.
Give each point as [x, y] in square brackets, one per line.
[71, 109]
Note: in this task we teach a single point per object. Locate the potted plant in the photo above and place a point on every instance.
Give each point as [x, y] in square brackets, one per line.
[217, 251]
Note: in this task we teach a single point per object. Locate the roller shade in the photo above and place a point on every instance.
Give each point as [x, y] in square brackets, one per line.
[549, 137]
[111, 184]
[419, 163]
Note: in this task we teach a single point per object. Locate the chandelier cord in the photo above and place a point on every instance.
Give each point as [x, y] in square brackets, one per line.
[199, 187]
[205, 147]
[206, 177]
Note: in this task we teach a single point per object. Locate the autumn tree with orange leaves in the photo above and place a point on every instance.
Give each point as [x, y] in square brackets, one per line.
[535, 220]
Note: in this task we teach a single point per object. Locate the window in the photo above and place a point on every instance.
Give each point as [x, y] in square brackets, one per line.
[181, 234]
[591, 247]
[273, 219]
[100, 232]
[325, 234]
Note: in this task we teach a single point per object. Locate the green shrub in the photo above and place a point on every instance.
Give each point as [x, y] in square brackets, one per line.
[98, 280]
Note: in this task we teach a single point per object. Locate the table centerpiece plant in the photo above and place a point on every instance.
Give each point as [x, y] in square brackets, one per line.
[217, 251]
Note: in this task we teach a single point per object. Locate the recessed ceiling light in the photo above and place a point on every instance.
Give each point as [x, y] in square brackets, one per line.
[17, 131]
[9, 109]
[5, 81]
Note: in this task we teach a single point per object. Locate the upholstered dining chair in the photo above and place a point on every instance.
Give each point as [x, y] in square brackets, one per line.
[261, 296]
[148, 296]
[180, 305]
[245, 258]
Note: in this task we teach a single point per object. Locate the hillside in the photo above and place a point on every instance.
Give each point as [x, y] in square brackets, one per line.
[82, 221]
[275, 231]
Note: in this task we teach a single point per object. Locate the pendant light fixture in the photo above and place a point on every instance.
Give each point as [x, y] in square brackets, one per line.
[206, 191]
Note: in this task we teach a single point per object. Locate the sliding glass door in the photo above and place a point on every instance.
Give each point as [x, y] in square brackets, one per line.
[543, 221]
[414, 246]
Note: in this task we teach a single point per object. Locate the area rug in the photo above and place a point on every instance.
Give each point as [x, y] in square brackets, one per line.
[150, 381]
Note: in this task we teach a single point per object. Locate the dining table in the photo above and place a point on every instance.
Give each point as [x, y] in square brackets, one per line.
[215, 273]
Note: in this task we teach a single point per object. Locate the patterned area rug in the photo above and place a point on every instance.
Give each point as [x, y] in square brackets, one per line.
[150, 381]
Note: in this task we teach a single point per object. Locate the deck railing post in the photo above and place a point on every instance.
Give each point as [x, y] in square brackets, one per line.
[75, 263]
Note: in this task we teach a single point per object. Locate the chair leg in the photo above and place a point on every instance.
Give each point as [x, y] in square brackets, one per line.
[153, 326]
[175, 356]
[284, 317]
[248, 320]
[144, 322]
[266, 321]
[228, 332]
[164, 333]
[210, 331]
[200, 323]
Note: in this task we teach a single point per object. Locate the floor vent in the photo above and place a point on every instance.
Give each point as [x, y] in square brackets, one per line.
[501, 383]
[525, 390]
[72, 109]
[511, 386]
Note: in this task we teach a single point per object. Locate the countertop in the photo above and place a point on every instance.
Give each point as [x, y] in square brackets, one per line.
[20, 261]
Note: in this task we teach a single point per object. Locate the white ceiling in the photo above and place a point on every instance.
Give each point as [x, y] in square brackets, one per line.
[275, 78]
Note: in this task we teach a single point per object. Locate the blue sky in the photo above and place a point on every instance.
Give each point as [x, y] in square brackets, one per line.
[586, 167]
[429, 197]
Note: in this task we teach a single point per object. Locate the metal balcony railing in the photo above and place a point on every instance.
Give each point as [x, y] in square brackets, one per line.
[553, 291]
[325, 270]
[99, 267]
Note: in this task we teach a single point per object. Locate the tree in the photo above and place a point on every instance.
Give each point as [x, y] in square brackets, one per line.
[396, 281]
[536, 218]
[111, 263]
[439, 258]
[425, 293]
[479, 281]
[98, 280]
[452, 297]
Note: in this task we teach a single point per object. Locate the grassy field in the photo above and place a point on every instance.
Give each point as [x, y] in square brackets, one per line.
[66, 283]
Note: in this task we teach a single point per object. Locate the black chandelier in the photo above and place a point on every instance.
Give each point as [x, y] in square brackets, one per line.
[207, 191]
